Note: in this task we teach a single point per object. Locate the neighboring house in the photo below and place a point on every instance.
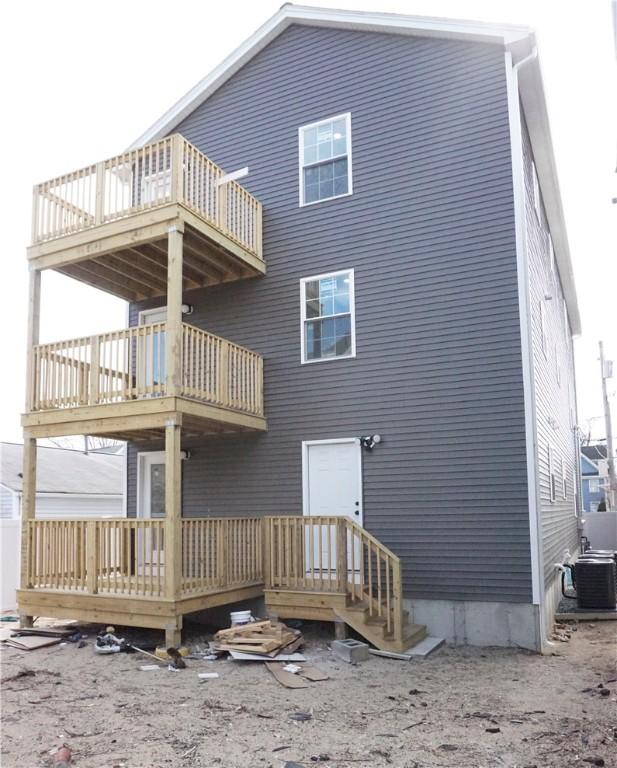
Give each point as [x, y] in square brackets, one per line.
[70, 484]
[410, 295]
[594, 475]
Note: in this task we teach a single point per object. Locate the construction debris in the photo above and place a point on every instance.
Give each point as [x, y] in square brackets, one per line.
[351, 651]
[285, 678]
[262, 638]
[31, 643]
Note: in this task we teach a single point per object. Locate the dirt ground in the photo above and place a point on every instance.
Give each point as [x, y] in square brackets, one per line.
[461, 707]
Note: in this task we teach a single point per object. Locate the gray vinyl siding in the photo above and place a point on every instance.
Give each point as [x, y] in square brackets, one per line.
[555, 402]
[429, 230]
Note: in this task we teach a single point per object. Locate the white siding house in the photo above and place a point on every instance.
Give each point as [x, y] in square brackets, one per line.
[69, 484]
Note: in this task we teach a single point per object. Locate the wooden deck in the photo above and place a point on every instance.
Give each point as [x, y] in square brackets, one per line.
[123, 571]
[108, 224]
[114, 384]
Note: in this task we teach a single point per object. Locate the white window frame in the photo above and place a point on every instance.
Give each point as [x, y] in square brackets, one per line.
[564, 480]
[537, 200]
[551, 475]
[347, 117]
[352, 315]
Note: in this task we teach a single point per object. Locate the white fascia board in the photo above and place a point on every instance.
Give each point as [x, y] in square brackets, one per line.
[533, 98]
[393, 23]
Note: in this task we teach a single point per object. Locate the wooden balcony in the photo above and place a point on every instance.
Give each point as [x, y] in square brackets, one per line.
[151, 572]
[116, 384]
[107, 225]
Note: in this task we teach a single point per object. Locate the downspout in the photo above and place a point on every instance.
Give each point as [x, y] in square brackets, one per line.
[531, 432]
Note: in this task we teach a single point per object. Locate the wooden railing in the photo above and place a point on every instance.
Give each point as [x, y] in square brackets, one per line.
[219, 552]
[128, 557]
[334, 554]
[97, 556]
[167, 171]
[129, 364]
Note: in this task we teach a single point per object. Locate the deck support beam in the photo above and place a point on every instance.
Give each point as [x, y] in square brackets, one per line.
[173, 512]
[174, 311]
[28, 503]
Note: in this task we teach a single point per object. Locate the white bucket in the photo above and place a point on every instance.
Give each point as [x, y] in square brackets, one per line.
[240, 617]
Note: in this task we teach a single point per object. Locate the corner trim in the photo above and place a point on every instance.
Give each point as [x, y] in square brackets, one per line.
[518, 183]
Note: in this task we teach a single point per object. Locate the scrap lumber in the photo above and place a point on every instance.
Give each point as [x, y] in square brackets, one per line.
[265, 638]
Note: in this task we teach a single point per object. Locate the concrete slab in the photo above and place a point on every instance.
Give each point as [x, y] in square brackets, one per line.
[426, 646]
[420, 650]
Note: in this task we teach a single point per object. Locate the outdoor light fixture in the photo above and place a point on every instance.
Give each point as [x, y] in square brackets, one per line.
[370, 441]
[187, 309]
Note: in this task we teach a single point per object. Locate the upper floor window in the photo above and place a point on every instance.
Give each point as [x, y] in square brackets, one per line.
[328, 316]
[325, 159]
[537, 202]
[564, 480]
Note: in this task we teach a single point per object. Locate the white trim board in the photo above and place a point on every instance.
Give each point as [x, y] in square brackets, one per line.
[531, 431]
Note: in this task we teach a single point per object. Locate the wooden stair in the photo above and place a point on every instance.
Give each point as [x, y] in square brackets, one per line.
[374, 628]
[329, 568]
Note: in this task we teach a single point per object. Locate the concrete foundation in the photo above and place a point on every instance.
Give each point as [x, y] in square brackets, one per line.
[469, 622]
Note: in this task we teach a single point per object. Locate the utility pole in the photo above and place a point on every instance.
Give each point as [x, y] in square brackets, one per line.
[610, 455]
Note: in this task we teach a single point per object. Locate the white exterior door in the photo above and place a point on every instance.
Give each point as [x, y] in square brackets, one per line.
[150, 504]
[151, 350]
[332, 479]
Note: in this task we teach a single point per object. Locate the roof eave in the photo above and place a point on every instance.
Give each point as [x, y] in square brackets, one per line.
[288, 14]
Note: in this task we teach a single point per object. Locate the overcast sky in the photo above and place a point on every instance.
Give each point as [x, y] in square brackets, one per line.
[82, 80]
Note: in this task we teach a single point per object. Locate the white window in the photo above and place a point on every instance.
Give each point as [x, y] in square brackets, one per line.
[537, 202]
[564, 480]
[543, 328]
[551, 253]
[551, 474]
[594, 485]
[325, 159]
[328, 316]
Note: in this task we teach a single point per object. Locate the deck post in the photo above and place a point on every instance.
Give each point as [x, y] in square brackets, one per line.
[173, 511]
[174, 311]
[34, 319]
[28, 507]
[28, 502]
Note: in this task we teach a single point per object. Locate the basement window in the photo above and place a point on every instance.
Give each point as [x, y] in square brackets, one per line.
[328, 316]
[325, 159]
